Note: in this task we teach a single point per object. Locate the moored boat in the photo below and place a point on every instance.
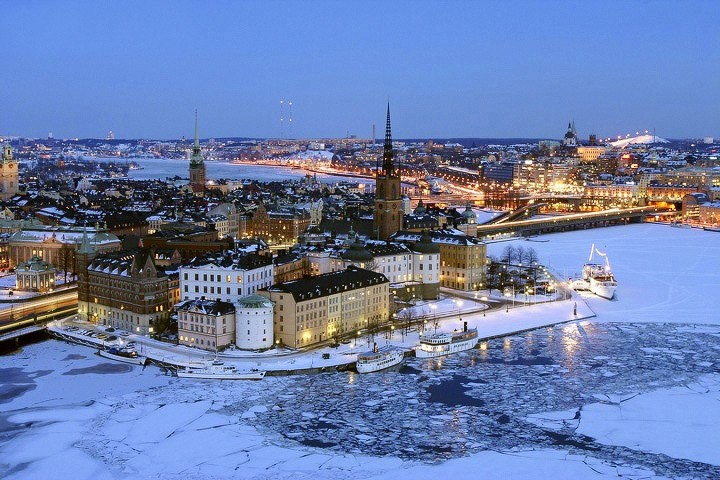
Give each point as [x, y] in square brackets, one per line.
[379, 359]
[123, 355]
[599, 278]
[440, 344]
[219, 371]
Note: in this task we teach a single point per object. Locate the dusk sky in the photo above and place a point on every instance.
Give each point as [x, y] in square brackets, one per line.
[451, 69]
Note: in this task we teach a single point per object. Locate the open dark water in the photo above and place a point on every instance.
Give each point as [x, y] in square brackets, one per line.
[442, 408]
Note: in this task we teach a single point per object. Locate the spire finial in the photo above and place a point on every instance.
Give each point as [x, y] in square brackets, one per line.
[197, 139]
[387, 151]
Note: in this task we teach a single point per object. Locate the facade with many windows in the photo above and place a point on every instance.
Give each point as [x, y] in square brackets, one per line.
[463, 259]
[206, 324]
[124, 290]
[226, 276]
[328, 306]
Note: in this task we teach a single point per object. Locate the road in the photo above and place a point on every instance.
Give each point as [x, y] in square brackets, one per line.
[11, 315]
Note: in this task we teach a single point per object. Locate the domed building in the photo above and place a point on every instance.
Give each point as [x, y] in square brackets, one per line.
[571, 139]
[254, 323]
[35, 275]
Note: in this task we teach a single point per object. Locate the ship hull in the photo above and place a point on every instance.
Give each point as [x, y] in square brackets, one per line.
[222, 376]
[132, 360]
[605, 291]
[394, 359]
[432, 351]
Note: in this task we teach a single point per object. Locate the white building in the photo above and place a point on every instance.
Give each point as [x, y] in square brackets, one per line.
[226, 276]
[412, 267]
[254, 323]
[206, 324]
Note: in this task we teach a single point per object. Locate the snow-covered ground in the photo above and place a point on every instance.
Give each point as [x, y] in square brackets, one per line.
[632, 393]
[664, 274]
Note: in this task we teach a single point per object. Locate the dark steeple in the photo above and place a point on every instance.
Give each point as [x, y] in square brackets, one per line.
[388, 168]
[196, 157]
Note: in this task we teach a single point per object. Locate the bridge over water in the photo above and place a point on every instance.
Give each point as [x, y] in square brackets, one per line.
[575, 221]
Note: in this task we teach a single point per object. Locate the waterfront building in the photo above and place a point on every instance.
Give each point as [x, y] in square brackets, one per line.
[709, 213]
[691, 204]
[123, 289]
[388, 212]
[35, 275]
[8, 174]
[227, 276]
[197, 165]
[613, 195]
[254, 323]
[332, 305]
[206, 324]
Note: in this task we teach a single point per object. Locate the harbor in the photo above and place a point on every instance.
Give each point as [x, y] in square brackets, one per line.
[488, 324]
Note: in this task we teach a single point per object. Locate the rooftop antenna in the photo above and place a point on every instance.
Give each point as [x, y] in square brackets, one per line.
[282, 118]
[290, 119]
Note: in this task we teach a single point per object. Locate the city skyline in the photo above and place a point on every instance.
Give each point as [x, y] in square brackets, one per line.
[461, 70]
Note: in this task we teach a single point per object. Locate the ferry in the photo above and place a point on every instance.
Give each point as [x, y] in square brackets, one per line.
[713, 228]
[219, 371]
[439, 344]
[598, 278]
[379, 359]
[123, 355]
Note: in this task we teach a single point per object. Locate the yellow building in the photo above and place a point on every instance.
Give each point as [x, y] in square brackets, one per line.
[591, 153]
[328, 306]
[463, 259]
[8, 175]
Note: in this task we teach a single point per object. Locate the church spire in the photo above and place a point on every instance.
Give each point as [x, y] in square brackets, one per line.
[197, 139]
[388, 150]
[85, 247]
[196, 157]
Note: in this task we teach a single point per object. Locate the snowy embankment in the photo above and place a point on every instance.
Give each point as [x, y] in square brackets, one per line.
[664, 274]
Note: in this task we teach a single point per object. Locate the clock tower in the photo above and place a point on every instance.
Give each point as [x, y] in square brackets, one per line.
[388, 214]
[8, 174]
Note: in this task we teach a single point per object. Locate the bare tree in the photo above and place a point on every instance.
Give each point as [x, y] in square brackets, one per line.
[530, 257]
[508, 254]
[66, 259]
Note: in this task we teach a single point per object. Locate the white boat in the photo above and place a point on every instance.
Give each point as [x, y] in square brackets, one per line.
[439, 344]
[123, 355]
[599, 278]
[219, 371]
[379, 359]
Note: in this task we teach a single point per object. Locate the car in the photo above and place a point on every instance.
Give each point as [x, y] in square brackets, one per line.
[111, 338]
[101, 336]
[109, 329]
[124, 334]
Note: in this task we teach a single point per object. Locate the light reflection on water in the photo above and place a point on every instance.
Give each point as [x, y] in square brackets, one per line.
[480, 399]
